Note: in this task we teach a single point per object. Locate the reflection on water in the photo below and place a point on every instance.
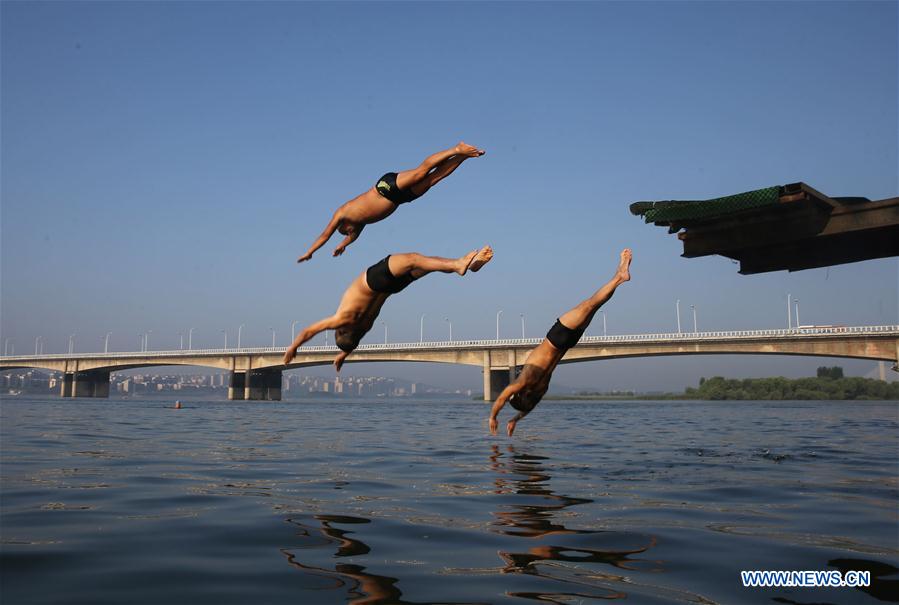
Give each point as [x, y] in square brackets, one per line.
[645, 502]
[526, 475]
[577, 565]
[362, 588]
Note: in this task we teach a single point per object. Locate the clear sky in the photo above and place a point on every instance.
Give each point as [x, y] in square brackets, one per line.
[163, 165]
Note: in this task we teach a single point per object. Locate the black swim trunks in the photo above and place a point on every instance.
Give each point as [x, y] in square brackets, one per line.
[563, 337]
[380, 279]
[387, 188]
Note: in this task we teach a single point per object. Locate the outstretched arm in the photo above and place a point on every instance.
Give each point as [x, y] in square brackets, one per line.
[307, 333]
[500, 402]
[324, 237]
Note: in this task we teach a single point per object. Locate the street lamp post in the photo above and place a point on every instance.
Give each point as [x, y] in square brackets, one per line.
[106, 343]
[36, 339]
[293, 329]
[522, 325]
[603, 322]
[384, 323]
[140, 338]
[239, 330]
[180, 341]
[447, 319]
[71, 344]
[789, 311]
[796, 302]
[677, 306]
[421, 328]
[498, 313]
[190, 336]
[273, 336]
[695, 329]
[147, 340]
[226, 338]
[6, 346]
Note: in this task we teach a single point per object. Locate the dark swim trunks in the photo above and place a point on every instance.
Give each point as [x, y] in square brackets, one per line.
[380, 279]
[387, 188]
[563, 337]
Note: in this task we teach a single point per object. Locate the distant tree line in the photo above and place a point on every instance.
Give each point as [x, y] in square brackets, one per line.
[828, 384]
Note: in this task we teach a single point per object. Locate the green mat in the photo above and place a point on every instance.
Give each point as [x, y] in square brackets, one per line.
[674, 210]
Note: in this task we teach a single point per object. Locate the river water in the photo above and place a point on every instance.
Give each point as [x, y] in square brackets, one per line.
[407, 501]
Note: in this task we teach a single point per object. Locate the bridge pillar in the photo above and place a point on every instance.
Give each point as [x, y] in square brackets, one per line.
[65, 385]
[497, 380]
[263, 385]
[236, 385]
[94, 383]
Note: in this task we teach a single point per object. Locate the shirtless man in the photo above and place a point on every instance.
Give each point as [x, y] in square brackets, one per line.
[363, 300]
[391, 190]
[528, 389]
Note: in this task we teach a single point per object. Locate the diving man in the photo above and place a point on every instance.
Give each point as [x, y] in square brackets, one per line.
[391, 190]
[365, 296]
[528, 389]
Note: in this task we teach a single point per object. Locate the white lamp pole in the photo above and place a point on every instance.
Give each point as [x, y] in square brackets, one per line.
[603, 322]
[106, 344]
[421, 328]
[522, 325]
[273, 336]
[796, 302]
[384, 323]
[789, 311]
[695, 329]
[293, 329]
[447, 319]
[147, 340]
[71, 344]
[677, 306]
[226, 338]
[190, 337]
[498, 313]
[239, 330]
[180, 341]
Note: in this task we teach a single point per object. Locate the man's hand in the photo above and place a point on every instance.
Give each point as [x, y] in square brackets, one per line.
[339, 250]
[289, 354]
[338, 361]
[305, 257]
[510, 427]
[492, 424]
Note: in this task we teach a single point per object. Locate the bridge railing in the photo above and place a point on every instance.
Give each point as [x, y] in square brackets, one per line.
[802, 331]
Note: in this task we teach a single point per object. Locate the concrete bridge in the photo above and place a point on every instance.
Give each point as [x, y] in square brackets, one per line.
[256, 373]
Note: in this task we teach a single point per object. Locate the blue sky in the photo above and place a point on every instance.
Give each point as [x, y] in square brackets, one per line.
[163, 164]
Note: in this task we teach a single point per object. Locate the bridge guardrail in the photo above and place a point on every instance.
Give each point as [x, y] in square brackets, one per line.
[486, 344]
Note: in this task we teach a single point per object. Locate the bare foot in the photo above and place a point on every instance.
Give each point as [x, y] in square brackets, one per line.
[624, 273]
[474, 260]
[467, 150]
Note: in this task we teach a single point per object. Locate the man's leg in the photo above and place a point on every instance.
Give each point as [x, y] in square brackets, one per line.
[581, 316]
[419, 265]
[448, 159]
